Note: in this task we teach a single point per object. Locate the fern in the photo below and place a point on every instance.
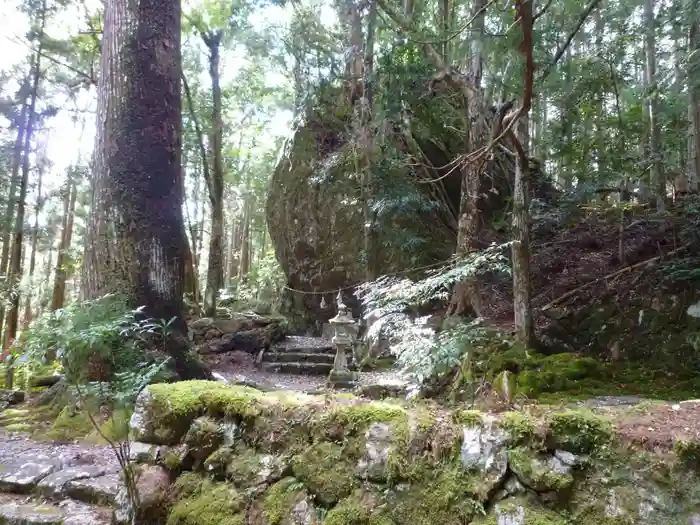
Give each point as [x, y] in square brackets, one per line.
[421, 353]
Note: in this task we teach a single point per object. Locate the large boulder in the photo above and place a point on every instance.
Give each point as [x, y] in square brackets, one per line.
[316, 216]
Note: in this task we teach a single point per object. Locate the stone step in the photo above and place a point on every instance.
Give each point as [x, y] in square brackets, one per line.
[310, 369]
[298, 349]
[21, 510]
[50, 479]
[299, 357]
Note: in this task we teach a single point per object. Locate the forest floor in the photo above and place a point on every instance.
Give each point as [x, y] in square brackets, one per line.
[239, 367]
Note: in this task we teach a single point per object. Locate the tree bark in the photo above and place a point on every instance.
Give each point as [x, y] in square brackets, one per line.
[58, 295]
[658, 182]
[27, 318]
[215, 268]
[11, 200]
[466, 297]
[693, 77]
[15, 271]
[136, 235]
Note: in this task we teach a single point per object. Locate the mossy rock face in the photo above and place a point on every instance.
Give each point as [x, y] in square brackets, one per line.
[362, 508]
[542, 474]
[203, 438]
[203, 502]
[341, 460]
[518, 511]
[70, 424]
[442, 497]
[326, 471]
[247, 468]
[579, 431]
[285, 502]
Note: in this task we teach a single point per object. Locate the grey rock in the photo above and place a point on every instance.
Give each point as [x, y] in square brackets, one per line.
[77, 513]
[514, 515]
[17, 514]
[52, 486]
[144, 452]
[484, 450]
[101, 490]
[11, 397]
[567, 458]
[378, 445]
[199, 324]
[24, 477]
[152, 486]
[302, 513]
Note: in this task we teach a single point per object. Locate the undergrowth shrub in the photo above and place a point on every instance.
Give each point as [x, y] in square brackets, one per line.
[463, 357]
[74, 339]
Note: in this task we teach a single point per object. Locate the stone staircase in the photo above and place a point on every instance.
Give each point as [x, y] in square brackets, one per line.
[301, 355]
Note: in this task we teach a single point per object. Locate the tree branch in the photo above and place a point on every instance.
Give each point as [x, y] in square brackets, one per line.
[560, 52]
[200, 136]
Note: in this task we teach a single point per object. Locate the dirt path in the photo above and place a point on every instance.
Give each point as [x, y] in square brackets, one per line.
[239, 367]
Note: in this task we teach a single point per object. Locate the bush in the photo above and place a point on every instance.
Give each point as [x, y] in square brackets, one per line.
[100, 339]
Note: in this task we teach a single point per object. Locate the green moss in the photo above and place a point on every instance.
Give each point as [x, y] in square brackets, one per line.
[536, 473]
[69, 425]
[173, 407]
[355, 418]
[325, 470]
[468, 418]
[207, 503]
[521, 428]
[18, 427]
[115, 429]
[509, 511]
[439, 497]
[352, 511]
[217, 462]
[245, 467]
[580, 431]
[279, 498]
[204, 436]
[688, 452]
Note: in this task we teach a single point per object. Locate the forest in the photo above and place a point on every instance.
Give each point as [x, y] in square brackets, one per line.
[253, 234]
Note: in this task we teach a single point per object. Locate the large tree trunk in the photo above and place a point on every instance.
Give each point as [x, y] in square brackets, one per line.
[15, 270]
[693, 77]
[467, 294]
[11, 198]
[27, 318]
[215, 268]
[58, 295]
[658, 182]
[136, 234]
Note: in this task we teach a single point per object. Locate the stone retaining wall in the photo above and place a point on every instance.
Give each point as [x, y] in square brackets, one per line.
[241, 456]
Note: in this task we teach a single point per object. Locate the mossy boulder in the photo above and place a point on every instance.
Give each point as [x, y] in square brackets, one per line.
[542, 473]
[344, 460]
[326, 471]
[520, 511]
[202, 502]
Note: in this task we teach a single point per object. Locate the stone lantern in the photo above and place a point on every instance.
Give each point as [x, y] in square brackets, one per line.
[344, 330]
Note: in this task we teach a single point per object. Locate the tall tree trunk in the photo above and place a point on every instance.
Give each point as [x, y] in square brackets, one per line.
[15, 271]
[27, 318]
[523, 322]
[21, 125]
[693, 77]
[658, 182]
[215, 268]
[234, 249]
[58, 295]
[136, 234]
[244, 267]
[467, 294]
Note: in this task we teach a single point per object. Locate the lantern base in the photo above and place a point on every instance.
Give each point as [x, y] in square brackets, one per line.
[342, 379]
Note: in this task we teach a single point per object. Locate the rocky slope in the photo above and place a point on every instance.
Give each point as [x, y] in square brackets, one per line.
[239, 456]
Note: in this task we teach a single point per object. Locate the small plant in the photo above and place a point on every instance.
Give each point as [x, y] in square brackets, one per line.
[423, 354]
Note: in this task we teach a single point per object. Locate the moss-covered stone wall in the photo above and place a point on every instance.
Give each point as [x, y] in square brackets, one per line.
[241, 456]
